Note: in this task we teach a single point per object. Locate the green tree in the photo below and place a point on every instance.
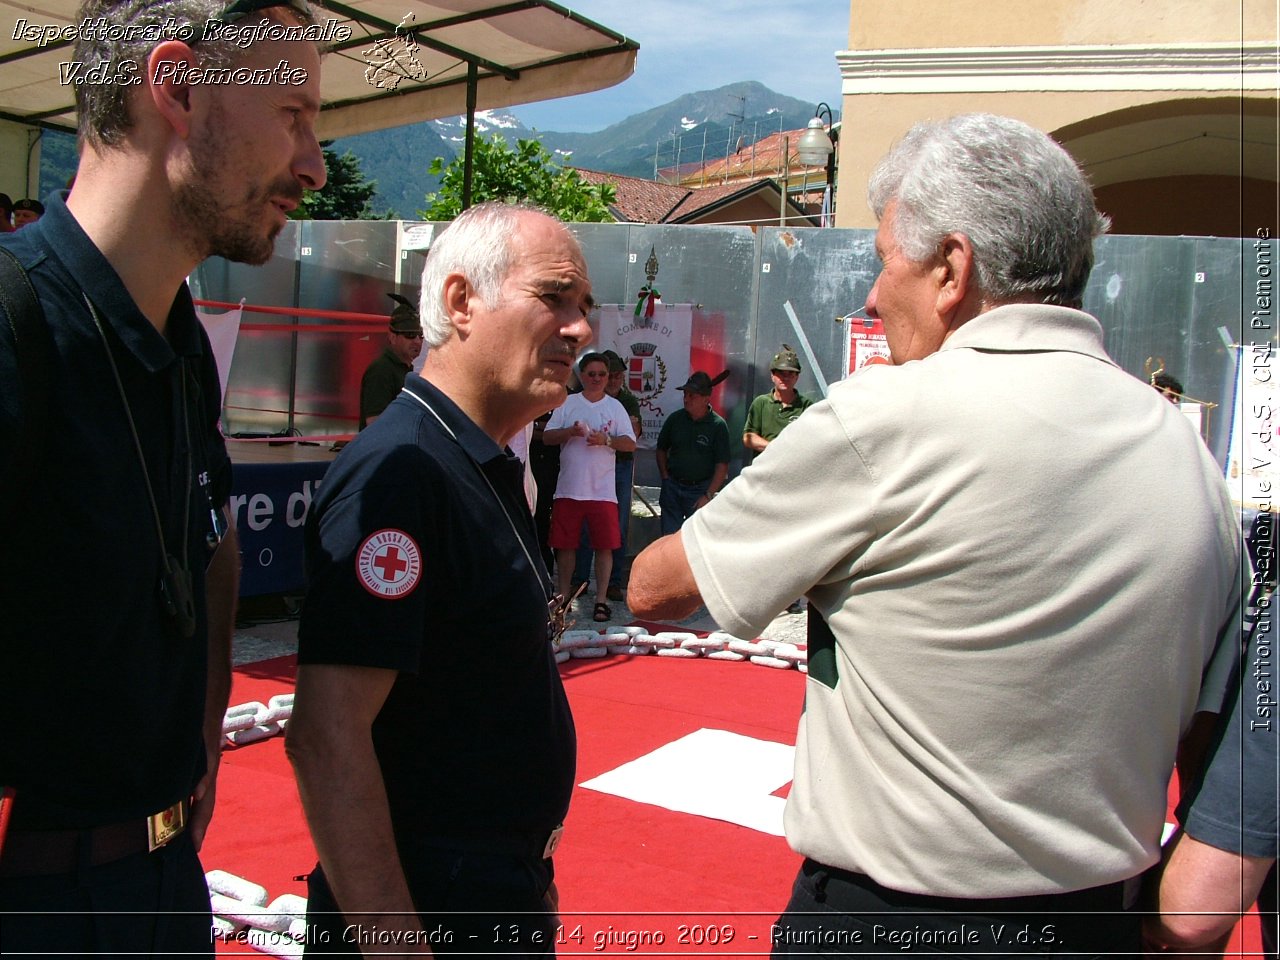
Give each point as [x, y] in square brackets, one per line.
[346, 192]
[528, 173]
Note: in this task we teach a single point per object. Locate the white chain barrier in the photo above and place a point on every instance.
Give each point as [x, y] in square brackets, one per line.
[718, 645]
[252, 721]
[241, 914]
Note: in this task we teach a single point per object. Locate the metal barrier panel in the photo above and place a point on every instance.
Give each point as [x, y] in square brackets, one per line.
[1174, 298]
[810, 280]
[258, 397]
[710, 268]
[343, 265]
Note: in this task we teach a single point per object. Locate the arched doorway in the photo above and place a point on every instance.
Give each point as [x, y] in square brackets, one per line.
[1203, 166]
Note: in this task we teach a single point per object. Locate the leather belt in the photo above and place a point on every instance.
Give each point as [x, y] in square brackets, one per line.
[40, 853]
[838, 883]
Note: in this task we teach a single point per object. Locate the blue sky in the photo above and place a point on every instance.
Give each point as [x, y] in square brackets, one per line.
[703, 44]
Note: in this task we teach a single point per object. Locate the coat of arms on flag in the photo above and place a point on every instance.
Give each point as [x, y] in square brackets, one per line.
[656, 355]
[642, 369]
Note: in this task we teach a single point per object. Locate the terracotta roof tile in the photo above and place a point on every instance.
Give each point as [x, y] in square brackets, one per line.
[648, 201]
[705, 196]
[639, 201]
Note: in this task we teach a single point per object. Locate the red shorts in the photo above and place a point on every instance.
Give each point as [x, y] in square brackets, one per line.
[600, 516]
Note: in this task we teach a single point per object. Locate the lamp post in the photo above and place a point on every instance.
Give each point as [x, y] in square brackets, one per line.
[816, 148]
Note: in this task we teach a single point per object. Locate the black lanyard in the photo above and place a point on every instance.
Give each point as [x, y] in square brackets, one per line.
[175, 578]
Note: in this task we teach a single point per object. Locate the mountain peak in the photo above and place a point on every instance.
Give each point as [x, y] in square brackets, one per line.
[695, 127]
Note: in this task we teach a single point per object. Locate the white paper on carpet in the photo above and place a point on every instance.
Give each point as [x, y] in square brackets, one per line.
[709, 773]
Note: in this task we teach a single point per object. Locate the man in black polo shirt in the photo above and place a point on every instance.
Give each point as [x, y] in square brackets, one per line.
[385, 375]
[692, 454]
[431, 735]
[116, 595]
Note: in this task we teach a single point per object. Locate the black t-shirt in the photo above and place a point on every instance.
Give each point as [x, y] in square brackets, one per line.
[101, 699]
[422, 558]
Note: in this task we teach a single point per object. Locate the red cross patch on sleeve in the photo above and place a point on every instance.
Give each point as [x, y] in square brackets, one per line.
[389, 564]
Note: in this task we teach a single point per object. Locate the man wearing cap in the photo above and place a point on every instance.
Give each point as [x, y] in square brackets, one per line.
[771, 412]
[692, 454]
[384, 377]
[118, 576]
[27, 211]
[624, 475]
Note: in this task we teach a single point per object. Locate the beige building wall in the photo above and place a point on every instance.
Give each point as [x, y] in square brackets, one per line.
[755, 211]
[905, 24]
[1170, 112]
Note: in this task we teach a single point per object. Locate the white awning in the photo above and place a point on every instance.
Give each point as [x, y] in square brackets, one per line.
[404, 61]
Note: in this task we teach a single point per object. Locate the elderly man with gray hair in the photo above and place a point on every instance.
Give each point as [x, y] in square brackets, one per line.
[432, 739]
[1000, 665]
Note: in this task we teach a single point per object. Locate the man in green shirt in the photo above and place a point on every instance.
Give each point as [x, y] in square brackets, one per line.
[384, 377]
[692, 454]
[771, 412]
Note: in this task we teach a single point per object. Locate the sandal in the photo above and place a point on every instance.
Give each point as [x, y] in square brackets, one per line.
[602, 613]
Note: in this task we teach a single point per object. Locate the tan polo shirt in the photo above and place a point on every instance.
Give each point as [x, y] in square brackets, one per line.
[1019, 560]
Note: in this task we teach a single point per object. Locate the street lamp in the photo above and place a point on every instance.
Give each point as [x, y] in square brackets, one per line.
[815, 149]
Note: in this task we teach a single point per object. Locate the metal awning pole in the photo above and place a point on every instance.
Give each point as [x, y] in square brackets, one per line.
[473, 79]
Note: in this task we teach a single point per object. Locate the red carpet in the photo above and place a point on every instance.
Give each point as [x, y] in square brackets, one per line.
[258, 831]
[633, 878]
[624, 868]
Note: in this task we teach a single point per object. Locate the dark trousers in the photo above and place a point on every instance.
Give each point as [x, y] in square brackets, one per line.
[677, 501]
[146, 904]
[833, 913]
[622, 476]
[546, 469]
[472, 903]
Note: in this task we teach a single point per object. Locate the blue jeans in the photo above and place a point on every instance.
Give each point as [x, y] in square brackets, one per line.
[678, 501]
[623, 473]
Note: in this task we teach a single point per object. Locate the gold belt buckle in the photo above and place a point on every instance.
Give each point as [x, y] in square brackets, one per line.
[165, 825]
[553, 841]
